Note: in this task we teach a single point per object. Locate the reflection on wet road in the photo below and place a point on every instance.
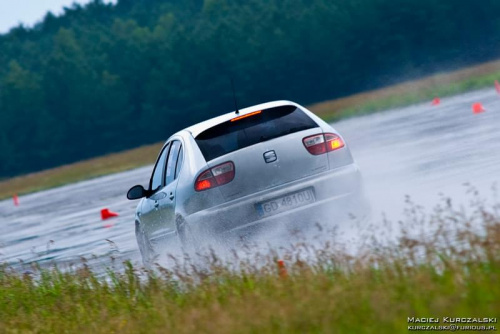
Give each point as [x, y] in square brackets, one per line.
[425, 150]
[421, 151]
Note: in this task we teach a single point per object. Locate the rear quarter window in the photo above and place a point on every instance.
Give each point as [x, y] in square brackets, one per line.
[234, 135]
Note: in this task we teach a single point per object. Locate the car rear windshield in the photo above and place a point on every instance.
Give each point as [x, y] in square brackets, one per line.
[251, 129]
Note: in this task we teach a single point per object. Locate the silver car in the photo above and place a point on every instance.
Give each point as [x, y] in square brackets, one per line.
[273, 164]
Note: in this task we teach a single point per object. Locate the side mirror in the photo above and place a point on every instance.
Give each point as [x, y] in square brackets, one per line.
[136, 192]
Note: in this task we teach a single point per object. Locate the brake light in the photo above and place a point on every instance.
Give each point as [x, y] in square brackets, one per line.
[245, 116]
[205, 181]
[215, 176]
[322, 143]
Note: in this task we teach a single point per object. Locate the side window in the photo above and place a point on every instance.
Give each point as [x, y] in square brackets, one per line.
[172, 159]
[156, 177]
[179, 162]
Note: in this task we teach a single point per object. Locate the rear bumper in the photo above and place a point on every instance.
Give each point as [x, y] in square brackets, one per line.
[338, 194]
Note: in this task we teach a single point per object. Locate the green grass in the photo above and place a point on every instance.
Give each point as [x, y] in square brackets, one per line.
[407, 93]
[454, 272]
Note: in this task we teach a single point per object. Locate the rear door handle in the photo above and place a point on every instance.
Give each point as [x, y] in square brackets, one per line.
[171, 196]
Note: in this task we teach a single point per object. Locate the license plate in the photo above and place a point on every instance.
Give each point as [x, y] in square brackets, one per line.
[284, 203]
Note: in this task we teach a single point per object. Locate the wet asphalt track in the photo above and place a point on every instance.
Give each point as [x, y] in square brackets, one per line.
[419, 151]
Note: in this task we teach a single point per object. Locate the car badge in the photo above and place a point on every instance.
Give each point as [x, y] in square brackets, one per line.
[270, 156]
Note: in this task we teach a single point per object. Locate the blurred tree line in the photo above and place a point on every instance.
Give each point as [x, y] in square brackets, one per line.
[103, 77]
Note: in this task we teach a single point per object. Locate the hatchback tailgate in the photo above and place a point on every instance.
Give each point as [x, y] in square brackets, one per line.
[271, 163]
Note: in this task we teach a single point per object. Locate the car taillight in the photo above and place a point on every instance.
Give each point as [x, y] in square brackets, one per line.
[315, 144]
[322, 143]
[333, 142]
[215, 176]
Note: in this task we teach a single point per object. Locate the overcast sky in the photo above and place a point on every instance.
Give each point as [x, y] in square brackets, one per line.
[29, 12]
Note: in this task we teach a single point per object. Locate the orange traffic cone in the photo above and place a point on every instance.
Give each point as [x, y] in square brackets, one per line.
[15, 199]
[478, 108]
[436, 101]
[106, 214]
[497, 86]
[282, 269]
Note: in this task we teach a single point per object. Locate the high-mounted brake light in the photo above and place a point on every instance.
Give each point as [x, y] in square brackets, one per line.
[215, 176]
[322, 143]
[245, 116]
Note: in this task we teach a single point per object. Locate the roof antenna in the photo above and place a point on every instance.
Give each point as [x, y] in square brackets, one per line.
[234, 97]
